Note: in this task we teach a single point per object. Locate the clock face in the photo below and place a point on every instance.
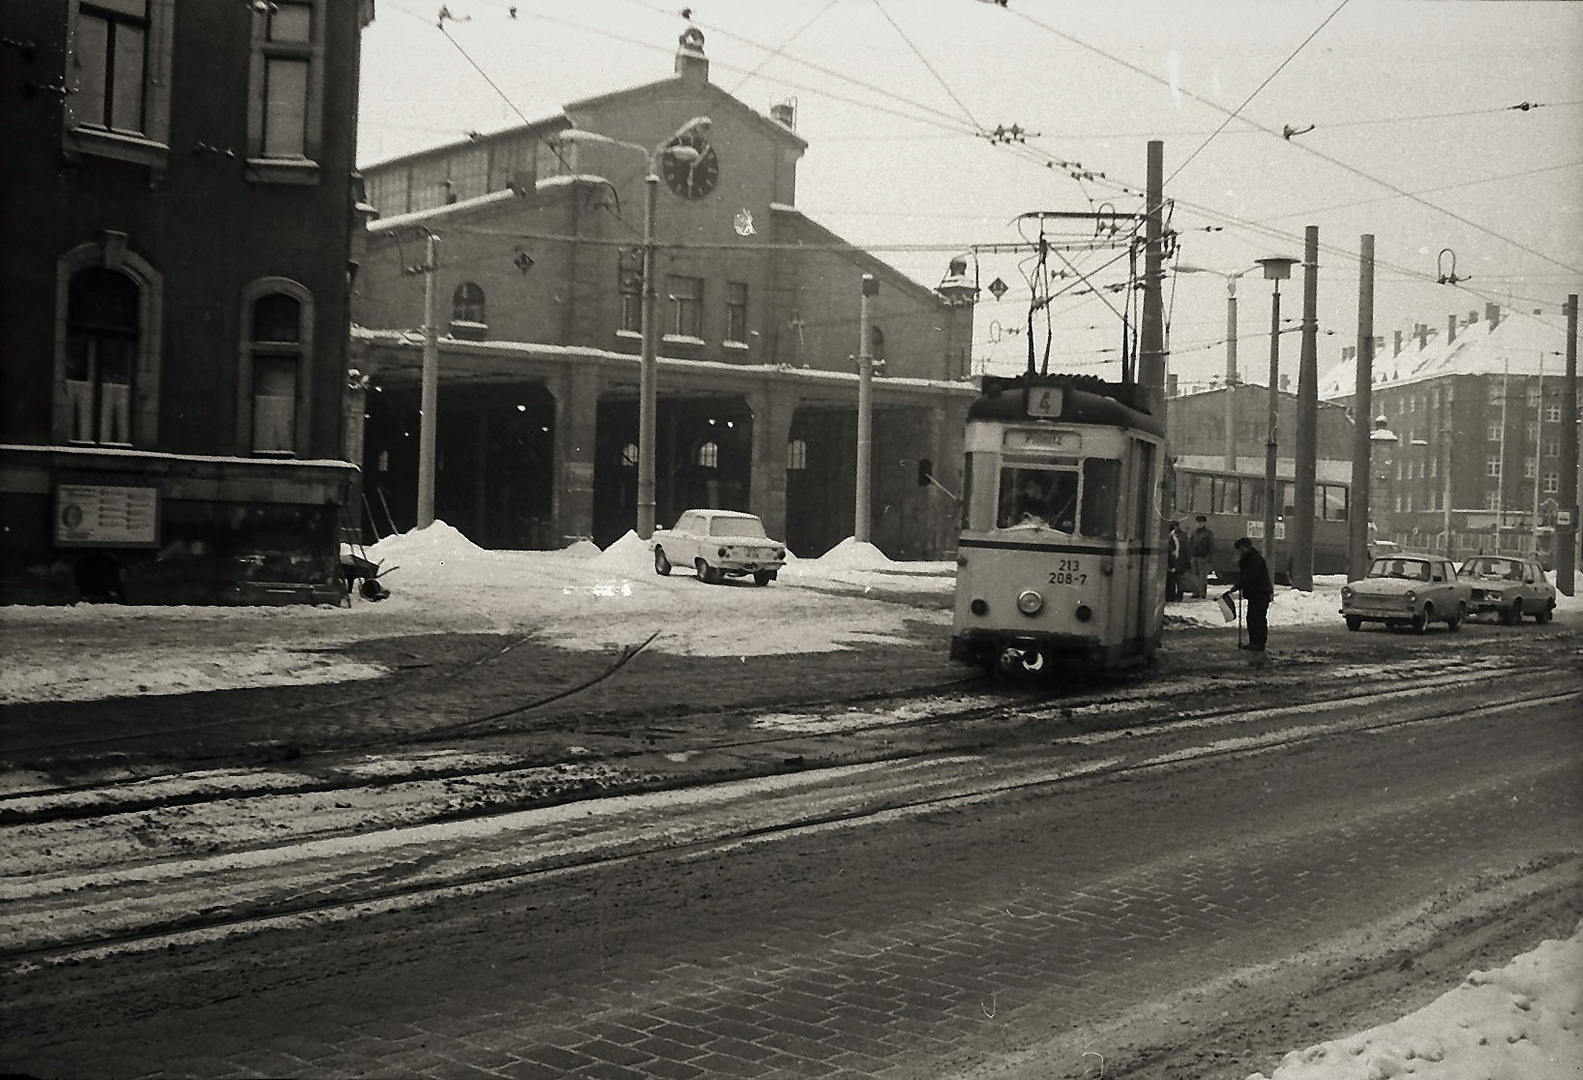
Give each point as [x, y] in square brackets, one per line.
[690, 166]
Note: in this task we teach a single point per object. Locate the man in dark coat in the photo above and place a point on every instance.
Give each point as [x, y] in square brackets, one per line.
[1257, 589]
[1201, 548]
[1175, 561]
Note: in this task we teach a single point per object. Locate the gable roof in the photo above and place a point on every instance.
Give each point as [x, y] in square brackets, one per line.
[1518, 344]
[709, 90]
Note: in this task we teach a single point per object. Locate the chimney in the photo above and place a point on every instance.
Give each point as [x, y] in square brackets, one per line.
[1398, 350]
[1451, 329]
[1492, 315]
[785, 114]
[1421, 332]
[691, 63]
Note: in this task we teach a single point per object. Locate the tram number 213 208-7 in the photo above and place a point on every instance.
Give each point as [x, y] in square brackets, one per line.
[1068, 572]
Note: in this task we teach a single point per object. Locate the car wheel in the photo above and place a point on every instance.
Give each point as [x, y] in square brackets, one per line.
[763, 577]
[1546, 615]
[1455, 621]
[705, 574]
[1510, 618]
[1354, 623]
[1422, 619]
[662, 565]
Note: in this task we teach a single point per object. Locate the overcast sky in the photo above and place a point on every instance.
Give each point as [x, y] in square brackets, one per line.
[1415, 139]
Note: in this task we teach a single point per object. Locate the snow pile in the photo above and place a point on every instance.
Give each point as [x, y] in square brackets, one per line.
[1520, 1022]
[629, 555]
[853, 554]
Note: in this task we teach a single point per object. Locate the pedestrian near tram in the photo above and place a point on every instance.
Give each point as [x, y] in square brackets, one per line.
[1176, 565]
[1201, 548]
[1257, 589]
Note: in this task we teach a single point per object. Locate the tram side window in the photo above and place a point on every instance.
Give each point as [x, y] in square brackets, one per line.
[1192, 493]
[1038, 497]
[1332, 502]
[1226, 496]
[1102, 497]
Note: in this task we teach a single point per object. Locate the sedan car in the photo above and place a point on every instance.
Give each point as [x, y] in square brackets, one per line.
[1509, 586]
[717, 544]
[1407, 590]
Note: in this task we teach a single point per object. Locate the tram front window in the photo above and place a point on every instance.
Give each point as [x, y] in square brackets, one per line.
[1038, 498]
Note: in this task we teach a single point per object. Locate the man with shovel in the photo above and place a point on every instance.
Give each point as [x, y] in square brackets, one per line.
[1257, 589]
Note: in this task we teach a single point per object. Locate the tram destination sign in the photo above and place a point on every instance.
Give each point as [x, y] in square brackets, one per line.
[1066, 442]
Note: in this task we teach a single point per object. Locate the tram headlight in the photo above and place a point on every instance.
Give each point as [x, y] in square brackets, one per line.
[1029, 602]
[1084, 613]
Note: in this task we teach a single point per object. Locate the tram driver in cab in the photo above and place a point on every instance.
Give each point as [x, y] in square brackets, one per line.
[1038, 498]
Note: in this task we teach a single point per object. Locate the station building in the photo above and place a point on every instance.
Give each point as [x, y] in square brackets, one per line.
[174, 299]
[535, 292]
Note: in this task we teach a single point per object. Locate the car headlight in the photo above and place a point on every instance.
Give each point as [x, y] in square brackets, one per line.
[1029, 602]
[1409, 596]
[1346, 592]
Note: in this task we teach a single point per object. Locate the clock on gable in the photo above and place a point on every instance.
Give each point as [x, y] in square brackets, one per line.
[690, 166]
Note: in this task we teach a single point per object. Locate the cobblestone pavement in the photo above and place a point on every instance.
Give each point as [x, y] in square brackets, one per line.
[967, 942]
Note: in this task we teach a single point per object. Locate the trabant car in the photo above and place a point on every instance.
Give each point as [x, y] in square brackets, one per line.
[717, 544]
[1509, 586]
[1407, 590]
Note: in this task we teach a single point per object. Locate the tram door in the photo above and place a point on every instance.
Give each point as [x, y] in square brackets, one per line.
[1147, 579]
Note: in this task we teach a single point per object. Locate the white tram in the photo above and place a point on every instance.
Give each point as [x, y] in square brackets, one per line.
[1063, 548]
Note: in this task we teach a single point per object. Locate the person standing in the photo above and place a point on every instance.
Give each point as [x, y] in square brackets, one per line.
[1257, 589]
[1201, 549]
[1176, 561]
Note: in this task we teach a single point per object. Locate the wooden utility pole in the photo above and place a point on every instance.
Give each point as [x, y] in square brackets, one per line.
[1566, 535]
[1306, 465]
[1151, 358]
[1363, 424]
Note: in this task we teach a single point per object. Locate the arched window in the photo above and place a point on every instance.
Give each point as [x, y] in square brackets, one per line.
[797, 454]
[629, 455]
[274, 367]
[276, 347]
[709, 455]
[468, 319]
[103, 335]
[876, 343]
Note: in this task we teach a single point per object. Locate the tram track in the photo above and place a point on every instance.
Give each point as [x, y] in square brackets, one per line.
[288, 886]
[910, 709]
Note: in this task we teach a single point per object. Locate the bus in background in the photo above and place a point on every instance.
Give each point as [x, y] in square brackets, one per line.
[1233, 504]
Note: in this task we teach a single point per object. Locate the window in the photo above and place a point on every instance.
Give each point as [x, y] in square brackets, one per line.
[1551, 483]
[629, 455]
[1552, 448]
[797, 454]
[737, 312]
[709, 455]
[286, 92]
[876, 344]
[629, 282]
[467, 312]
[1533, 396]
[1497, 392]
[107, 346]
[1494, 433]
[1492, 466]
[118, 75]
[1530, 468]
[102, 336]
[1039, 498]
[1492, 499]
[1552, 414]
[277, 345]
[687, 306]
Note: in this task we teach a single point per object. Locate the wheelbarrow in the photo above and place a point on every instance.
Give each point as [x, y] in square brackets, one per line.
[363, 575]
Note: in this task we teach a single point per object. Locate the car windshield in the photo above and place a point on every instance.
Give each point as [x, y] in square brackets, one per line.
[736, 527]
[1408, 569]
[1496, 568]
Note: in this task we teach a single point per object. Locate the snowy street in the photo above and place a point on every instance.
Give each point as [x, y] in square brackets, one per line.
[1010, 789]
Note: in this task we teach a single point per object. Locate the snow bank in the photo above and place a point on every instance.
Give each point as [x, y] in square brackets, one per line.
[1520, 1022]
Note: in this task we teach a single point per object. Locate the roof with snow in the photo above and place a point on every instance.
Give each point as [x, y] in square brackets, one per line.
[1518, 344]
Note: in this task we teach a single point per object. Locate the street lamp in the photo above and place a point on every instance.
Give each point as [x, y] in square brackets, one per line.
[648, 365]
[1231, 354]
[1277, 268]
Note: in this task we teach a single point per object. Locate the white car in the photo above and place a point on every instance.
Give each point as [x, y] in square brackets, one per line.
[717, 544]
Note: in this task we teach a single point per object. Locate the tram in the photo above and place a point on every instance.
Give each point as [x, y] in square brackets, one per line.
[1061, 556]
[1232, 504]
